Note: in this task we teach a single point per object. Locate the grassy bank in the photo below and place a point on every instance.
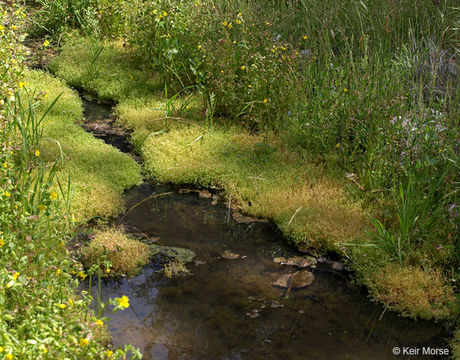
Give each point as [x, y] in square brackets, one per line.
[99, 173]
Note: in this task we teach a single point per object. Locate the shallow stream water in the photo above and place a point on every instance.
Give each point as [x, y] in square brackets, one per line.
[210, 313]
[228, 309]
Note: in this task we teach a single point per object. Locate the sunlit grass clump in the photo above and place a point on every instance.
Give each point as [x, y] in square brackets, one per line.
[115, 253]
[99, 173]
[411, 291]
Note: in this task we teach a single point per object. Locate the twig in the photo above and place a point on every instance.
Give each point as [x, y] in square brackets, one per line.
[293, 216]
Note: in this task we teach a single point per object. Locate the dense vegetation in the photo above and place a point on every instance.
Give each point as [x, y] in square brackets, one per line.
[41, 314]
[337, 120]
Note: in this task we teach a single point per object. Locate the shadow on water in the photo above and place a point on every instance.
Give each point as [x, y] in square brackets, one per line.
[205, 315]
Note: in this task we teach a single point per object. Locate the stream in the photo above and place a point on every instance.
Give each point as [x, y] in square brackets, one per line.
[228, 308]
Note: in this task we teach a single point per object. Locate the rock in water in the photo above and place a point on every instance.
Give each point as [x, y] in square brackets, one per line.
[283, 281]
[302, 279]
[205, 194]
[298, 261]
[297, 280]
[227, 254]
[171, 252]
[337, 266]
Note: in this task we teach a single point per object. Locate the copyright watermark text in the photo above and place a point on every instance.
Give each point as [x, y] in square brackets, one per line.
[426, 350]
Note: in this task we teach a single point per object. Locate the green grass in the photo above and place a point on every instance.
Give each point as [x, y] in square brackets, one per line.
[99, 173]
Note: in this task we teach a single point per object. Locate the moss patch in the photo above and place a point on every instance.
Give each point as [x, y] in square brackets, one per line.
[99, 173]
[412, 291]
[125, 255]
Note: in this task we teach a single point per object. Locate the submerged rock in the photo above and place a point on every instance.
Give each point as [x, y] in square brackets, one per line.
[205, 194]
[302, 279]
[297, 280]
[172, 253]
[283, 281]
[337, 266]
[227, 254]
[243, 219]
[301, 262]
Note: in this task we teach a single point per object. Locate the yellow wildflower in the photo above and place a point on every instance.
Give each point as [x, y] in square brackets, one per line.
[305, 37]
[5, 164]
[46, 43]
[10, 284]
[8, 357]
[229, 25]
[345, 90]
[37, 153]
[1, 349]
[41, 207]
[337, 145]
[71, 302]
[58, 271]
[225, 23]
[107, 271]
[99, 322]
[265, 100]
[109, 353]
[14, 27]
[154, 11]
[82, 275]
[199, 47]
[84, 342]
[7, 194]
[21, 84]
[53, 195]
[243, 67]
[62, 306]
[15, 276]
[123, 301]
[2, 242]
[165, 13]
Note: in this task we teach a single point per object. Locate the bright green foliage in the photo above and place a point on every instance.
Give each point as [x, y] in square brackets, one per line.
[41, 316]
[94, 17]
[125, 255]
[99, 173]
[11, 54]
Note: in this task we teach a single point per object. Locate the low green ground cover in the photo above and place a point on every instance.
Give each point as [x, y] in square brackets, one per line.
[99, 173]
